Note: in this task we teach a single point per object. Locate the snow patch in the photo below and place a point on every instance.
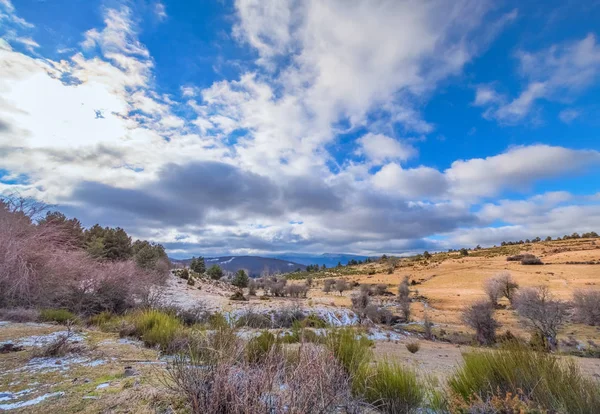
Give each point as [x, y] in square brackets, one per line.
[28, 403]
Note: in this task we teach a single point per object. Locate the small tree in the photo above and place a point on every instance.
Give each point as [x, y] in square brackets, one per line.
[198, 265]
[215, 272]
[240, 279]
[542, 312]
[464, 252]
[327, 284]
[480, 316]
[426, 255]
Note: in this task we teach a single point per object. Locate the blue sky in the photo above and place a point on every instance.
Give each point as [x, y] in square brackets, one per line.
[263, 127]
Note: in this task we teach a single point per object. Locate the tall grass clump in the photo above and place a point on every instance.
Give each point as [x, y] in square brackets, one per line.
[391, 388]
[57, 315]
[539, 379]
[352, 351]
[155, 328]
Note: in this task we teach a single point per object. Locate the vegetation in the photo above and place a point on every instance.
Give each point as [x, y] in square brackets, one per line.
[154, 327]
[215, 272]
[52, 262]
[240, 279]
[198, 265]
[540, 380]
[480, 317]
[392, 388]
[542, 312]
[587, 307]
[57, 315]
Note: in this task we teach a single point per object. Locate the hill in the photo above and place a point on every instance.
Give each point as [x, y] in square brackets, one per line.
[254, 265]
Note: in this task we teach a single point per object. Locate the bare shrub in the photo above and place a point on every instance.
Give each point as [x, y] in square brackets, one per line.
[404, 298]
[480, 316]
[254, 320]
[40, 267]
[275, 286]
[327, 285]
[252, 286]
[60, 346]
[493, 290]
[312, 381]
[531, 260]
[587, 307]
[296, 291]
[542, 312]
[427, 326]
[360, 302]
[378, 314]
[341, 285]
[19, 315]
[285, 317]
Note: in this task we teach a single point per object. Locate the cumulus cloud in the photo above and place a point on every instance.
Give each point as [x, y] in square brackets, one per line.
[378, 148]
[252, 170]
[516, 169]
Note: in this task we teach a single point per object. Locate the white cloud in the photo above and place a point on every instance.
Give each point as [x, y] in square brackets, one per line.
[92, 132]
[557, 73]
[413, 183]
[485, 95]
[378, 148]
[29, 43]
[161, 11]
[516, 169]
[568, 115]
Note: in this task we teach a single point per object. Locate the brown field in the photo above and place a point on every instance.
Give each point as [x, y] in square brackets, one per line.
[449, 282]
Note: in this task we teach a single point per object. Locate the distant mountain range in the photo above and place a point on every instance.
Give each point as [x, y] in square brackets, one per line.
[254, 265]
[327, 259]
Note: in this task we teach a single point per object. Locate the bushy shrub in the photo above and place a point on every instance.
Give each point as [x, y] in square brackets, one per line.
[155, 328]
[543, 379]
[587, 307]
[413, 347]
[296, 291]
[57, 315]
[327, 285]
[392, 388]
[531, 261]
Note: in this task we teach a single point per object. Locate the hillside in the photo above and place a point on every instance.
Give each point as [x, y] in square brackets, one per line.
[254, 265]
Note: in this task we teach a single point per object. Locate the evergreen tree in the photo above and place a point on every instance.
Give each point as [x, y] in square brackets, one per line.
[198, 265]
[215, 272]
[241, 279]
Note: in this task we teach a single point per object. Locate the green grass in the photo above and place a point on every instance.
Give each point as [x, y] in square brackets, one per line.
[542, 378]
[57, 315]
[155, 328]
[391, 388]
[260, 346]
[351, 350]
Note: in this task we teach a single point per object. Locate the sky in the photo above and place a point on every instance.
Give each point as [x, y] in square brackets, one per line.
[269, 126]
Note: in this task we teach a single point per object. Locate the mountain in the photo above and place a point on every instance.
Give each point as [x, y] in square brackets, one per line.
[254, 265]
[327, 259]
